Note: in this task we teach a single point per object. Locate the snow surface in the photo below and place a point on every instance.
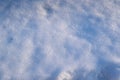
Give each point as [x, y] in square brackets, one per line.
[59, 40]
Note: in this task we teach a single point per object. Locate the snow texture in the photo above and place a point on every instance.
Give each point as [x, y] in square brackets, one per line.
[59, 40]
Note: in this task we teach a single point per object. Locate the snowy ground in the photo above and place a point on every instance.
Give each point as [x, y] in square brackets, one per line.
[59, 40]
